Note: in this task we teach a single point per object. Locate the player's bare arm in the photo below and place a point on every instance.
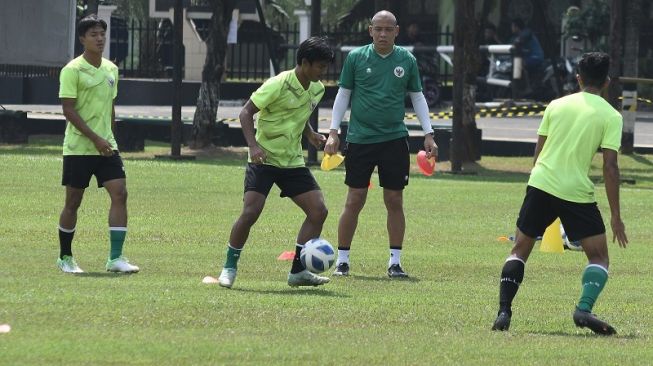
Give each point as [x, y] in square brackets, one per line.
[246, 117]
[538, 147]
[314, 138]
[103, 146]
[611, 177]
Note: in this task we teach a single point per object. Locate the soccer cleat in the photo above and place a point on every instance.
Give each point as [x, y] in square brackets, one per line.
[68, 265]
[395, 271]
[584, 319]
[342, 269]
[502, 322]
[122, 265]
[306, 278]
[227, 277]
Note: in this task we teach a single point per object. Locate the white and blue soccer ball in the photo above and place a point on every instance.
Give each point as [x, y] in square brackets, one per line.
[317, 255]
[568, 244]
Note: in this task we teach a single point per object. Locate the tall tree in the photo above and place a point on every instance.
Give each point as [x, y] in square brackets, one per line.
[209, 94]
[466, 59]
[632, 12]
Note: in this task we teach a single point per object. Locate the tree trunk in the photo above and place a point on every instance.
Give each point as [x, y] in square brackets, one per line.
[471, 60]
[616, 37]
[632, 12]
[466, 59]
[457, 134]
[209, 95]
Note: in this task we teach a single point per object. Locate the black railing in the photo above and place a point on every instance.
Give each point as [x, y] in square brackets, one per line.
[143, 49]
[29, 71]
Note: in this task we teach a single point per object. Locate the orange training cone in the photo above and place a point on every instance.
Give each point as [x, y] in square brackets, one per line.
[552, 239]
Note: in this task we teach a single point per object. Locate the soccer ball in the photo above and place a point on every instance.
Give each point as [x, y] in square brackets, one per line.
[568, 244]
[317, 255]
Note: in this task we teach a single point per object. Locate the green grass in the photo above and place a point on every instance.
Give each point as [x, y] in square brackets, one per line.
[180, 217]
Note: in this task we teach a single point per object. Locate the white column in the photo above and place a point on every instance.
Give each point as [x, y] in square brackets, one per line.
[304, 24]
[104, 13]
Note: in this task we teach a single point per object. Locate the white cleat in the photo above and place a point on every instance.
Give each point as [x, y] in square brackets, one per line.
[306, 278]
[227, 277]
[122, 265]
[68, 265]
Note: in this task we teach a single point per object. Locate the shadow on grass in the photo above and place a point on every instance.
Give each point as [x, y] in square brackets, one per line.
[383, 278]
[585, 335]
[103, 274]
[642, 159]
[303, 291]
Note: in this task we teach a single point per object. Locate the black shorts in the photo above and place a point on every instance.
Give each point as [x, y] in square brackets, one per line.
[540, 209]
[292, 181]
[391, 157]
[78, 169]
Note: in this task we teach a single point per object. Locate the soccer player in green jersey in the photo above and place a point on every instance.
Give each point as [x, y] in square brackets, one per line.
[88, 86]
[284, 104]
[572, 129]
[376, 79]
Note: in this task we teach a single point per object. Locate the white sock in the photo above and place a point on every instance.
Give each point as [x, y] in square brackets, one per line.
[343, 256]
[395, 257]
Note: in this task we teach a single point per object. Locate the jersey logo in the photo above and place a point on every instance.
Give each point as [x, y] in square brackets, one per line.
[399, 71]
[111, 81]
[368, 70]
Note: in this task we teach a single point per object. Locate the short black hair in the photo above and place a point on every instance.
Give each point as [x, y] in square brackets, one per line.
[593, 68]
[315, 49]
[89, 22]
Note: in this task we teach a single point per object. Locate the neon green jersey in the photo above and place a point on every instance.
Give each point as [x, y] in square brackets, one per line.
[94, 90]
[575, 126]
[284, 107]
[379, 85]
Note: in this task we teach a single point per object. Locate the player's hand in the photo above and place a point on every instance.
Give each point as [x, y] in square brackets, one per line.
[332, 144]
[317, 139]
[257, 154]
[103, 147]
[618, 231]
[430, 147]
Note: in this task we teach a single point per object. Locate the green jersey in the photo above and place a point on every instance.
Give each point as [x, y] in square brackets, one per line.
[285, 107]
[94, 89]
[379, 85]
[575, 127]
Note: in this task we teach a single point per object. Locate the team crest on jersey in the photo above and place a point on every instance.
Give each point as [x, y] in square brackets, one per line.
[399, 71]
[111, 81]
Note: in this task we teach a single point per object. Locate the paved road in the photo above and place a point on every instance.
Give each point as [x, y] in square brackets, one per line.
[503, 129]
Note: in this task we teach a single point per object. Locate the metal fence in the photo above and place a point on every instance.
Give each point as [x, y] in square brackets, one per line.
[143, 49]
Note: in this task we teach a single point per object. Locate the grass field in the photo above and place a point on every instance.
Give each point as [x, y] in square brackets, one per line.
[180, 217]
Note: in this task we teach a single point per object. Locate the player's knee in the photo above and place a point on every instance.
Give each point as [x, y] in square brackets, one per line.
[394, 203]
[119, 195]
[249, 216]
[355, 203]
[318, 215]
[72, 204]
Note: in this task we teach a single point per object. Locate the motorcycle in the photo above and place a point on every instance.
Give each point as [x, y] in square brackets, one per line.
[543, 84]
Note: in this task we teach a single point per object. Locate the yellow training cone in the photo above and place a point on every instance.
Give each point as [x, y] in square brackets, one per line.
[552, 239]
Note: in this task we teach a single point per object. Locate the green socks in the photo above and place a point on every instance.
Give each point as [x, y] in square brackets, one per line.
[233, 255]
[594, 279]
[117, 237]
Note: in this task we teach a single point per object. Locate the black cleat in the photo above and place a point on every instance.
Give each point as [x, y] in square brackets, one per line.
[502, 322]
[585, 319]
[342, 269]
[395, 271]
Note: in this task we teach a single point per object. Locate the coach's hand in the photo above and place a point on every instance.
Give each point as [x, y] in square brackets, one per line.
[430, 147]
[103, 146]
[332, 143]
